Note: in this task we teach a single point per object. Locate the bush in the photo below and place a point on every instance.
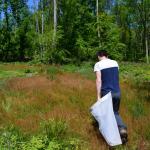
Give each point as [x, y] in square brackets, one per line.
[52, 72]
[54, 135]
[10, 138]
[28, 71]
[54, 129]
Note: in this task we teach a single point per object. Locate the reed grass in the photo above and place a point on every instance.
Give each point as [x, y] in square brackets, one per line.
[64, 93]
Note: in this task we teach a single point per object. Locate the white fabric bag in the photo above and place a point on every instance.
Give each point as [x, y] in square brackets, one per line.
[102, 111]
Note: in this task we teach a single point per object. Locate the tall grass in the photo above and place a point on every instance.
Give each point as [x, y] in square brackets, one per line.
[53, 135]
[63, 95]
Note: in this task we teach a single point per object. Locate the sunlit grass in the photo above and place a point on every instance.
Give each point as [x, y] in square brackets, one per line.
[10, 70]
[66, 93]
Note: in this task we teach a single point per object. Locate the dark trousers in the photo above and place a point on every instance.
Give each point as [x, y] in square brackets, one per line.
[116, 105]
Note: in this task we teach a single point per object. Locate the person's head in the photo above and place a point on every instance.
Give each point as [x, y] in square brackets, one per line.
[102, 54]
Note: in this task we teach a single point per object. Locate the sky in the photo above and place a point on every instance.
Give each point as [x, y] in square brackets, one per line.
[30, 3]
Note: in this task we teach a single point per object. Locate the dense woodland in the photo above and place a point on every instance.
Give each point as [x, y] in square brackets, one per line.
[64, 31]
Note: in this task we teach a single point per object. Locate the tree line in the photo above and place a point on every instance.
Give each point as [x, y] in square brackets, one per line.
[64, 31]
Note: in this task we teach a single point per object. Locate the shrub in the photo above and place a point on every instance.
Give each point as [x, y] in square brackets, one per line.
[28, 71]
[52, 72]
[54, 129]
[10, 138]
[54, 135]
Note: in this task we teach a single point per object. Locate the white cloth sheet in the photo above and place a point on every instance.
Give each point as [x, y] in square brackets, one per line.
[102, 111]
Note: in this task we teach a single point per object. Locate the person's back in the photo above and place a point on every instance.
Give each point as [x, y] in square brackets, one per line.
[109, 76]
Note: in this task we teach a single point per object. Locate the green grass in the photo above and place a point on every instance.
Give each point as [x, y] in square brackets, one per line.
[139, 72]
[137, 108]
[8, 74]
[85, 69]
[53, 135]
[147, 133]
[52, 71]
[10, 70]
[49, 96]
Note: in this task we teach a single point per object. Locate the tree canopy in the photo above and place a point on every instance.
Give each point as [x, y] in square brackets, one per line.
[64, 31]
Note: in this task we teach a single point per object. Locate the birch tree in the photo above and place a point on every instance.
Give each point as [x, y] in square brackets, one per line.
[36, 17]
[55, 22]
[42, 18]
[144, 16]
[97, 14]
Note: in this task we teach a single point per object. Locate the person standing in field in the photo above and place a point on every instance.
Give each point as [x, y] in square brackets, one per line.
[107, 80]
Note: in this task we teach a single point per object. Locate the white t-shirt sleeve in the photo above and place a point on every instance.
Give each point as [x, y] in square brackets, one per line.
[117, 64]
[97, 67]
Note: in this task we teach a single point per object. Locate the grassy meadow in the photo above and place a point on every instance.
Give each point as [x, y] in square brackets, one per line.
[46, 107]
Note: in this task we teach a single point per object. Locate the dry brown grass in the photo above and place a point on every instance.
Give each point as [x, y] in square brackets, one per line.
[68, 97]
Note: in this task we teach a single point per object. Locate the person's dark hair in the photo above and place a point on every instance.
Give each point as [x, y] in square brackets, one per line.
[102, 53]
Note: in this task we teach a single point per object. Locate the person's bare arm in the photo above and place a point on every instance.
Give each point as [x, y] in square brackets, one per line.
[98, 84]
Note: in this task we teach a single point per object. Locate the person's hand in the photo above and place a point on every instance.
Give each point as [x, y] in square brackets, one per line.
[98, 98]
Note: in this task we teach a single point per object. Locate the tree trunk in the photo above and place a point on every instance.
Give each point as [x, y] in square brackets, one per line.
[97, 15]
[146, 16]
[7, 27]
[42, 16]
[42, 30]
[147, 55]
[36, 18]
[55, 23]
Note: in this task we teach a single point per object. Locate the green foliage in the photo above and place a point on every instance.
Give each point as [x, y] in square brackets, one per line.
[28, 71]
[28, 33]
[52, 72]
[36, 143]
[138, 72]
[6, 104]
[10, 138]
[10, 73]
[54, 136]
[54, 129]
[14, 42]
[135, 71]
[17, 69]
[147, 133]
[57, 134]
[137, 109]
[85, 69]
[2, 84]
[109, 36]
